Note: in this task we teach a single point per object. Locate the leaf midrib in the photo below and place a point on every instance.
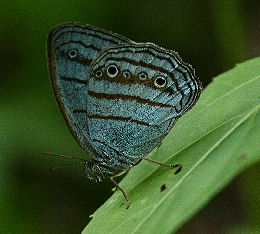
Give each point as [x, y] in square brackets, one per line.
[195, 166]
[231, 91]
[185, 175]
[182, 149]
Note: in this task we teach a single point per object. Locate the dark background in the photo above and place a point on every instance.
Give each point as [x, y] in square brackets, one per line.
[211, 35]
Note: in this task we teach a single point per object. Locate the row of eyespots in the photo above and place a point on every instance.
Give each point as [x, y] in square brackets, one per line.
[112, 71]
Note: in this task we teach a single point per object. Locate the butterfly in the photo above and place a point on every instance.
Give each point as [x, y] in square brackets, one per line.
[118, 97]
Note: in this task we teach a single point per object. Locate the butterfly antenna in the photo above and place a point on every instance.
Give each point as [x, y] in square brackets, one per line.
[64, 165]
[80, 161]
[64, 156]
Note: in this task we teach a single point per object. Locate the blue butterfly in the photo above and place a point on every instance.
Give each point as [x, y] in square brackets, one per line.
[118, 97]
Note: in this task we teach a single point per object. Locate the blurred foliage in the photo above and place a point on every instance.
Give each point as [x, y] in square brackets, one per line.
[211, 35]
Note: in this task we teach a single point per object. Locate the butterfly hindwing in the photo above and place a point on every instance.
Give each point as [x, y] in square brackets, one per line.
[135, 94]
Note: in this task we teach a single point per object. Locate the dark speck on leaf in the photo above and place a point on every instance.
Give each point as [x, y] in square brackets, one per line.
[163, 187]
[178, 170]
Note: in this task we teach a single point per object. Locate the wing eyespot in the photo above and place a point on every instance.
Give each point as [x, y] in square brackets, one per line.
[99, 73]
[126, 74]
[142, 76]
[112, 71]
[160, 82]
[72, 53]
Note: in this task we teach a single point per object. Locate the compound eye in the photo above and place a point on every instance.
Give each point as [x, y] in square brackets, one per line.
[112, 71]
[73, 53]
[160, 82]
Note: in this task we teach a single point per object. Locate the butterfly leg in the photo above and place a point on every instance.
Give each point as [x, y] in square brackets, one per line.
[116, 184]
[167, 165]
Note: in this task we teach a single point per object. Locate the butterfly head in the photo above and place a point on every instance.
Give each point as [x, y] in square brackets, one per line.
[94, 172]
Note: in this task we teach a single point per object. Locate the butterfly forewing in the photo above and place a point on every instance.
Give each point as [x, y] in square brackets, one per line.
[70, 50]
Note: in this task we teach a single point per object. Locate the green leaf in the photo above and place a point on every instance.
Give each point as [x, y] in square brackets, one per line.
[214, 142]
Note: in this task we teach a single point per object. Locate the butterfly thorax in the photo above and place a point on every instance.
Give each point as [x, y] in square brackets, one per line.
[97, 171]
[94, 172]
